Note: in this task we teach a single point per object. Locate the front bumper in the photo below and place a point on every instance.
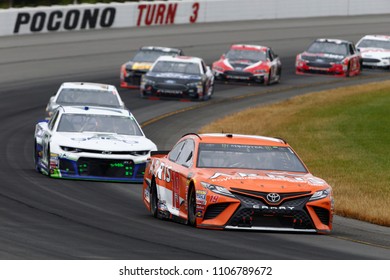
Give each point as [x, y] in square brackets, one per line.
[171, 91]
[375, 62]
[295, 214]
[239, 76]
[321, 68]
[85, 167]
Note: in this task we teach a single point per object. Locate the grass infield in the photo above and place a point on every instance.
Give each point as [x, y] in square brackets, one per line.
[342, 135]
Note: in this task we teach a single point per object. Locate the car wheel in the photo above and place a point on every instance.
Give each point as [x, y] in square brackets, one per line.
[279, 74]
[192, 207]
[48, 160]
[36, 157]
[205, 95]
[347, 74]
[267, 81]
[209, 92]
[153, 199]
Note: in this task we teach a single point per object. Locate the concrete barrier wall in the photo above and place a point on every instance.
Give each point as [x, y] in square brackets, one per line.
[119, 15]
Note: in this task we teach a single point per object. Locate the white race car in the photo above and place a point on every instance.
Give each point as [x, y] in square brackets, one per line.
[92, 143]
[85, 94]
[375, 50]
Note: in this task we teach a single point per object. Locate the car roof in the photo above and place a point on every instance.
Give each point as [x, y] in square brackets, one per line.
[162, 49]
[336, 41]
[377, 37]
[237, 139]
[184, 59]
[94, 110]
[249, 47]
[88, 85]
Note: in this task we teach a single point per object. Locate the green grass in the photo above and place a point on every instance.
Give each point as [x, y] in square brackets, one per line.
[342, 135]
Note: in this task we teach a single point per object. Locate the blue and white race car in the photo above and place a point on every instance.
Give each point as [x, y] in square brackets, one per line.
[92, 143]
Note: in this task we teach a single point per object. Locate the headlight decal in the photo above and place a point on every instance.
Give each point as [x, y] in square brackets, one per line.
[217, 189]
[320, 194]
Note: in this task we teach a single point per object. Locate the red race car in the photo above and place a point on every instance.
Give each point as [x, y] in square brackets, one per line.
[330, 56]
[250, 63]
[231, 181]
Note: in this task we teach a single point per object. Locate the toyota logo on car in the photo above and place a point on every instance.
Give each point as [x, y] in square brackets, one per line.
[273, 197]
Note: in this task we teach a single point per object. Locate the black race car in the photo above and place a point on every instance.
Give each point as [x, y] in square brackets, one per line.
[180, 77]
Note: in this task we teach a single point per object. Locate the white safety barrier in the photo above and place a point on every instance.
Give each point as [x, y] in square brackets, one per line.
[134, 14]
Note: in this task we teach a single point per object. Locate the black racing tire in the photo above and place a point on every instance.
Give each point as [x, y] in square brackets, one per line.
[192, 207]
[153, 199]
[48, 161]
[36, 155]
[211, 91]
[279, 74]
[347, 74]
[205, 96]
[267, 82]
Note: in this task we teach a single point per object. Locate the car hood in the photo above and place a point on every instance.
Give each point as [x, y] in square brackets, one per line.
[144, 66]
[241, 65]
[173, 77]
[263, 181]
[103, 141]
[374, 52]
[326, 57]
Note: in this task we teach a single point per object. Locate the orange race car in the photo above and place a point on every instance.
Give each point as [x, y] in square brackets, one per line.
[230, 181]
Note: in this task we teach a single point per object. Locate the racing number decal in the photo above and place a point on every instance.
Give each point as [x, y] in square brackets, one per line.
[195, 10]
[175, 191]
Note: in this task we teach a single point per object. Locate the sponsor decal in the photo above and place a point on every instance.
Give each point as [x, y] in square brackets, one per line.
[147, 195]
[69, 20]
[160, 170]
[54, 161]
[200, 207]
[201, 197]
[106, 137]
[199, 214]
[223, 177]
[141, 66]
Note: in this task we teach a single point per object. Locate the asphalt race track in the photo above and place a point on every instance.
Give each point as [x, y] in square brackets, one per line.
[42, 218]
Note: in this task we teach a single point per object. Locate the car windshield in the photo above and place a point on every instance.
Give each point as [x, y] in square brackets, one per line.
[328, 47]
[176, 67]
[99, 123]
[151, 55]
[248, 157]
[246, 55]
[374, 44]
[91, 97]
